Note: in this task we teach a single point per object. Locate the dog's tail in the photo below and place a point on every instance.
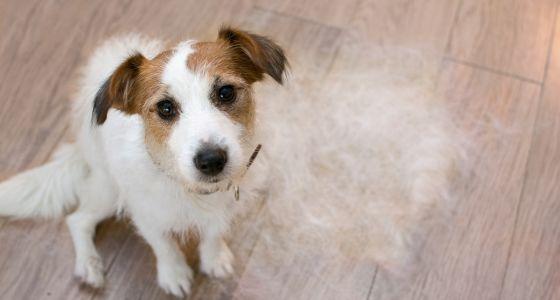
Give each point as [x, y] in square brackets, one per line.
[47, 191]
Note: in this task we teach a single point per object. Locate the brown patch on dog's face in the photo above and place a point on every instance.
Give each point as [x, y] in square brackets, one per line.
[134, 82]
[220, 58]
[225, 68]
[236, 60]
[135, 88]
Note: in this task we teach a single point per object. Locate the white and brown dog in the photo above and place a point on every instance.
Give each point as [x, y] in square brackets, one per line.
[168, 128]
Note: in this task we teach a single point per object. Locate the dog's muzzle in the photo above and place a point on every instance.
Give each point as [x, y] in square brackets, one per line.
[215, 156]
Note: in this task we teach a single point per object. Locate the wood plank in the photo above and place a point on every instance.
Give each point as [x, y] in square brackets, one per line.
[37, 259]
[32, 117]
[334, 13]
[468, 259]
[31, 256]
[309, 276]
[405, 23]
[177, 20]
[507, 35]
[534, 263]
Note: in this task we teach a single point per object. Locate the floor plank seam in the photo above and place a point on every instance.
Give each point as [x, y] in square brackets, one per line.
[453, 25]
[372, 283]
[492, 70]
[539, 109]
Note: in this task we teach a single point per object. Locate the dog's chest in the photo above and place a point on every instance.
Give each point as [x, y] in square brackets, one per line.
[145, 192]
[168, 207]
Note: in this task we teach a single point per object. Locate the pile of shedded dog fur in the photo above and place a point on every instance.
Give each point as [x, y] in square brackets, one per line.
[360, 166]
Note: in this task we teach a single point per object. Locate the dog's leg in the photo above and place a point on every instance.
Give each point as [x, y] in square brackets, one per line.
[97, 202]
[174, 275]
[215, 257]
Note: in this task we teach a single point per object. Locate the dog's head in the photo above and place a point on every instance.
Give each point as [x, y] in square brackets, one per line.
[196, 102]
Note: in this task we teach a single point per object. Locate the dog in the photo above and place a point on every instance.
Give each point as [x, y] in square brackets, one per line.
[157, 132]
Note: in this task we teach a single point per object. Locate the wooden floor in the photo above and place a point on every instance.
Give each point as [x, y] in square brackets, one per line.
[502, 57]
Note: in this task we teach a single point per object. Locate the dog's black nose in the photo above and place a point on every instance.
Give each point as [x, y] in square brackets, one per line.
[210, 160]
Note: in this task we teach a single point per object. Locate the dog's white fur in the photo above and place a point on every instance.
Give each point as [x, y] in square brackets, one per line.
[359, 164]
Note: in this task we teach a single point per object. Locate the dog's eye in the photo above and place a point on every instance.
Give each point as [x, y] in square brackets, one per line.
[226, 94]
[166, 109]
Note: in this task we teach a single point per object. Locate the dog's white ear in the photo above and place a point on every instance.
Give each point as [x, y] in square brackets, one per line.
[119, 90]
[258, 54]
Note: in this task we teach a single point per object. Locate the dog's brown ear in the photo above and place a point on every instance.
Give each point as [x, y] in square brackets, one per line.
[119, 90]
[259, 54]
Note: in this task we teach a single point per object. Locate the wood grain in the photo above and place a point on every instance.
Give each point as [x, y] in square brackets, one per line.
[334, 13]
[309, 276]
[534, 263]
[34, 101]
[507, 35]
[405, 23]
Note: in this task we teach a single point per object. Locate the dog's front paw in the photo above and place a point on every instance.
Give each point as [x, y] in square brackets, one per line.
[90, 271]
[218, 265]
[175, 279]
